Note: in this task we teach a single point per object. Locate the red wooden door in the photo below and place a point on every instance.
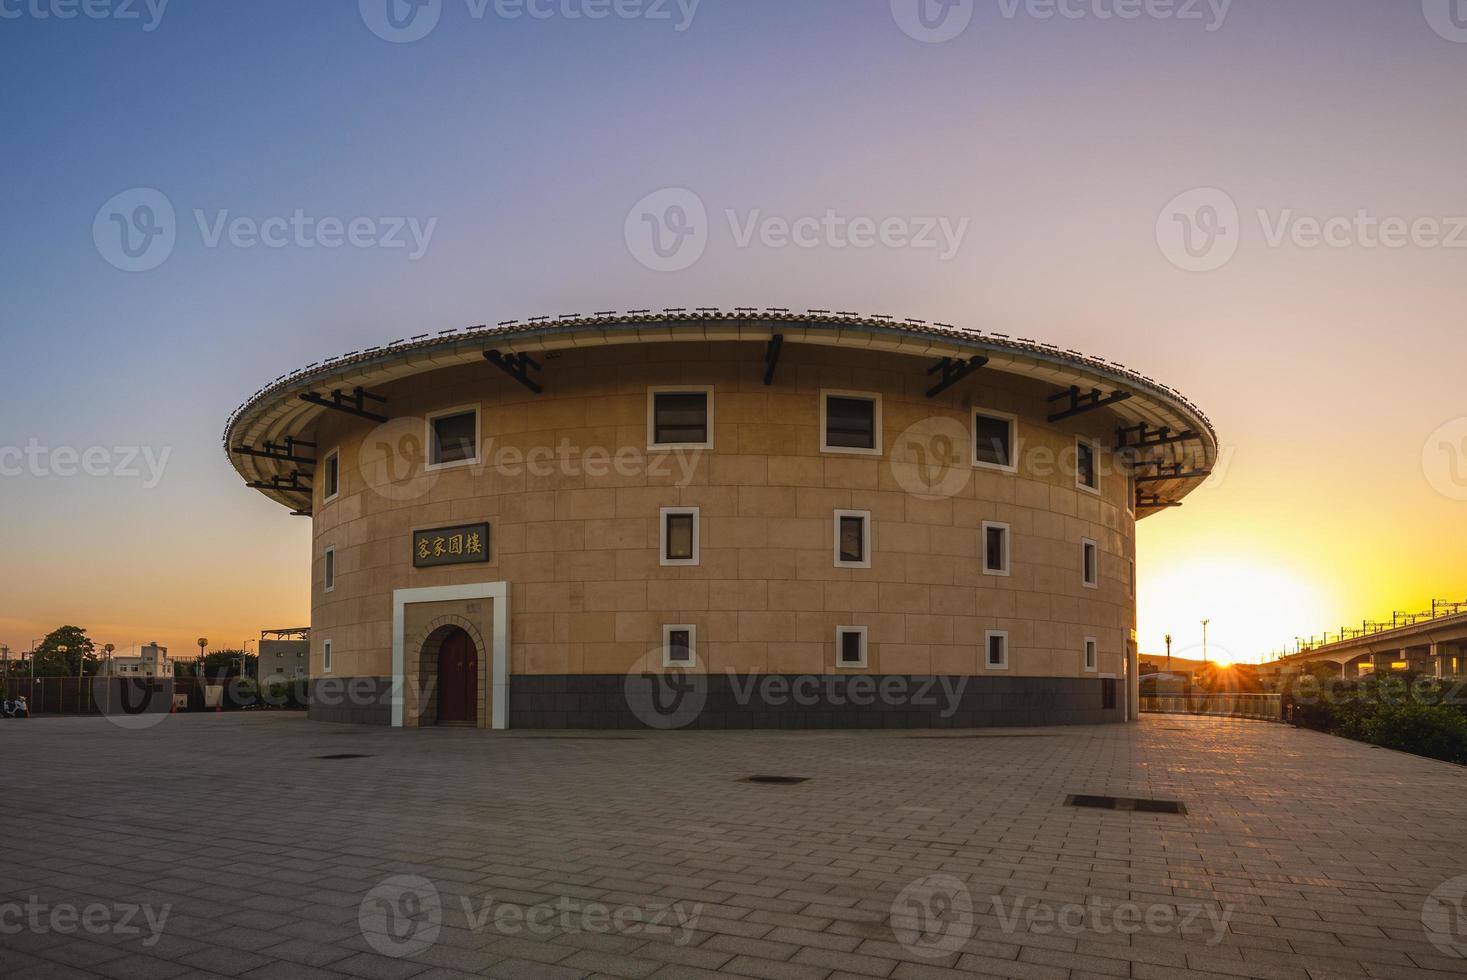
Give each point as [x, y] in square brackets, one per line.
[458, 678]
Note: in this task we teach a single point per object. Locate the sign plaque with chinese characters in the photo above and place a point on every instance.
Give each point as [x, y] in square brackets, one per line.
[462, 545]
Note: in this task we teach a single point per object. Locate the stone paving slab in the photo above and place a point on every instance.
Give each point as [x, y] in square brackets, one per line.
[225, 845]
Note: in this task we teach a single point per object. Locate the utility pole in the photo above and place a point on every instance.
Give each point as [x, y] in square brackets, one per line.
[1168, 653]
[1204, 641]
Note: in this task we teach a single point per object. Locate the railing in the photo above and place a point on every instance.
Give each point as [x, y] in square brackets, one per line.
[1263, 707]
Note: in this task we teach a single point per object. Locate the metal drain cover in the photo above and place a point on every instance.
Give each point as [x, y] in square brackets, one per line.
[345, 755]
[776, 780]
[1128, 804]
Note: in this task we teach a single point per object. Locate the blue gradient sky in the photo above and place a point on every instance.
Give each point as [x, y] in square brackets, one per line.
[1326, 370]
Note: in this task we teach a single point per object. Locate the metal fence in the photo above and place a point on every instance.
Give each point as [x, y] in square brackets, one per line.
[1263, 707]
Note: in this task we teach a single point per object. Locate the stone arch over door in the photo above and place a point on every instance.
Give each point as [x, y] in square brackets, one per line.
[421, 696]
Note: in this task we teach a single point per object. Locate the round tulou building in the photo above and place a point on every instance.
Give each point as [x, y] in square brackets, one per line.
[746, 519]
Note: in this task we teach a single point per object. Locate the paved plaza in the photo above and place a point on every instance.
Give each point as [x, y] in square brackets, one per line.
[234, 845]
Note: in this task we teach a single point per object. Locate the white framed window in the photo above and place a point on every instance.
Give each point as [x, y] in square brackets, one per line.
[331, 476]
[680, 645]
[1087, 465]
[850, 646]
[996, 650]
[1092, 655]
[328, 577]
[1090, 563]
[850, 422]
[852, 539]
[995, 440]
[325, 656]
[680, 417]
[678, 539]
[452, 437]
[996, 548]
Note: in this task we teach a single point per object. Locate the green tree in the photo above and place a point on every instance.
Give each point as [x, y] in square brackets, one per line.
[225, 663]
[52, 661]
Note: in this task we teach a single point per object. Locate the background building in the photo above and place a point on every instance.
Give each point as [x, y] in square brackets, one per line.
[512, 525]
[151, 661]
[284, 655]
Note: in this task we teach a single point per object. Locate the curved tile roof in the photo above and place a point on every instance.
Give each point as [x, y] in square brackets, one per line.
[276, 410]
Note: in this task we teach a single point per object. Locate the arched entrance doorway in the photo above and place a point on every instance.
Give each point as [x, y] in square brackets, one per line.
[458, 679]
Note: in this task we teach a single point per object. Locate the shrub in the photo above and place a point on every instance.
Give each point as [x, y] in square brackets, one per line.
[1435, 732]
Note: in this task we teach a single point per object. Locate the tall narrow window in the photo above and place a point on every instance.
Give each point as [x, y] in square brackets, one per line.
[453, 437]
[679, 645]
[680, 418]
[1087, 473]
[994, 436]
[850, 646]
[853, 539]
[850, 422]
[1090, 563]
[995, 548]
[679, 536]
[329, 576]
[1131, 488]
[332, 475]
[996, 653]
[326, 656]
[1092, 654]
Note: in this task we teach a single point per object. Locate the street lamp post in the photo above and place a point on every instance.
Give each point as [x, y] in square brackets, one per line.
[199, 663]
[107, 679]
[1204, 641]
[1168, 653]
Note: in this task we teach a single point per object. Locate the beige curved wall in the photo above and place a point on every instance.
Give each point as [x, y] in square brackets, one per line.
[581, 551]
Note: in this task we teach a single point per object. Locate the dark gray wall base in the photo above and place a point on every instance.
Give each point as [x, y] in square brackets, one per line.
[351, 700]
[720, 701]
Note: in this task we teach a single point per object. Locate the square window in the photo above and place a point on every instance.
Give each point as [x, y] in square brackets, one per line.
[850, 422]
[994, 436]
[995, 548]
[1090, 563]
[680, 418]
[1092, 654]
[680, 645]
[850, 646]
[679, 536]
[330, 573]
[1087, 474]
[326, 656]
[453, 437]
[996, 650]
[853, 539]
[332, 475]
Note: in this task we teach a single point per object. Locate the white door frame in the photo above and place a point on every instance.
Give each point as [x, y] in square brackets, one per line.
[499, 675]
